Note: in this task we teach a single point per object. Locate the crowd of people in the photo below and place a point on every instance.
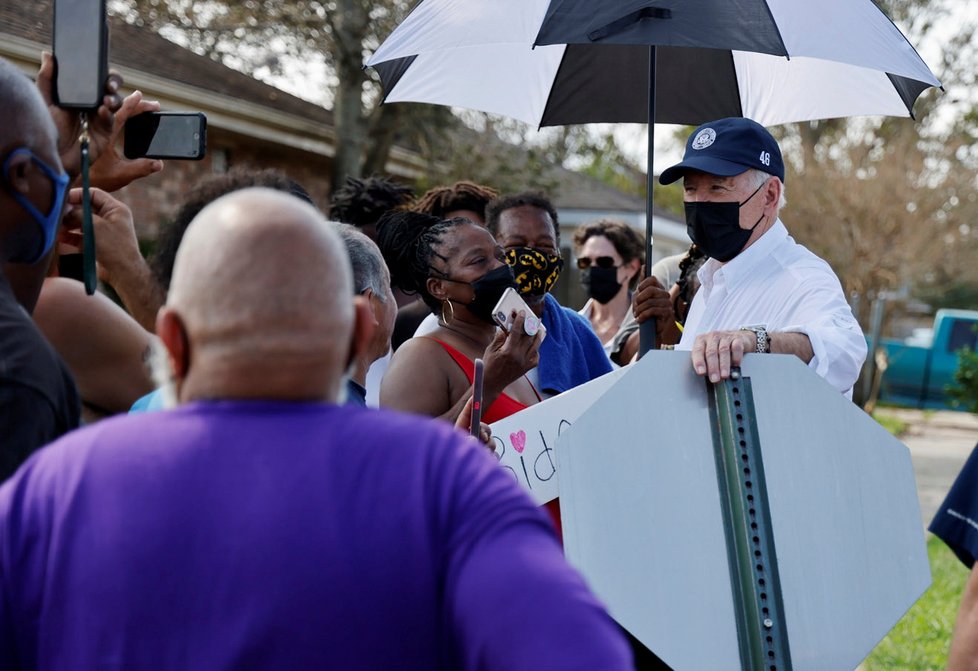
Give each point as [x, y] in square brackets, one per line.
[271, 517]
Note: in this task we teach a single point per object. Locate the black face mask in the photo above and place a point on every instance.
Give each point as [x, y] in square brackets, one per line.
[715, 227]
[488, 290]
[601, 284]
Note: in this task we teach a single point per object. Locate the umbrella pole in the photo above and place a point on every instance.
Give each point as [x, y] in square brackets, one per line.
[647, 329]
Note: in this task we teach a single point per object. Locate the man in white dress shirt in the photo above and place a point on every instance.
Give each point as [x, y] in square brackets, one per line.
[761, 291]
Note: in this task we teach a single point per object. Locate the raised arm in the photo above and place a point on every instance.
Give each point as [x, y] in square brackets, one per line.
[423, 378]
[119, 261]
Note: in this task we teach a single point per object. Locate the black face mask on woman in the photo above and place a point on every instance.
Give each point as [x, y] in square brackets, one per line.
[715, 227]
[601, 284]
[488, 290]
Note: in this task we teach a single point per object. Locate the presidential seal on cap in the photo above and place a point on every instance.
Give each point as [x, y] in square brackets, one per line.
[728, 147]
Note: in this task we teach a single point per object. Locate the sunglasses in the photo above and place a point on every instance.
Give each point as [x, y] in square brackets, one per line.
[586, 262]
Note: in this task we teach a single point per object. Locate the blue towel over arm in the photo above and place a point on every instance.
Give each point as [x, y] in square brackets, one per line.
[571, 354]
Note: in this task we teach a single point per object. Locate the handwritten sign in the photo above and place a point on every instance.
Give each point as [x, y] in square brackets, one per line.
[526, 442]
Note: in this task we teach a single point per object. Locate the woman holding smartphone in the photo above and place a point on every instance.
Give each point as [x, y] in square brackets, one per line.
[458, 270]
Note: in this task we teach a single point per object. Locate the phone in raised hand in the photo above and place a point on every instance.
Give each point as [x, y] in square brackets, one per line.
[81, 52]
[510, 304]
[170, 135]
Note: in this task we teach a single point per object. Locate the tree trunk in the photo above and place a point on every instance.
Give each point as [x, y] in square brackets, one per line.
[387, 121]
[350, 133]
[350, 24]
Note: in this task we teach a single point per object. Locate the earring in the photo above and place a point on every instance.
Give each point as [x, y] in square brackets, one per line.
[451, 312]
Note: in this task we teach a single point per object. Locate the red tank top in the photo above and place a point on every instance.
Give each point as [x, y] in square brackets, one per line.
[501, 408]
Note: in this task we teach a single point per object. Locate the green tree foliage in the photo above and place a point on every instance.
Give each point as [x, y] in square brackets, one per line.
[964, 391]
[942, 290]
[489, 150]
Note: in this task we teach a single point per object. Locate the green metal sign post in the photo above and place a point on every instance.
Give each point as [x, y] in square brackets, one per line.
[752, 558]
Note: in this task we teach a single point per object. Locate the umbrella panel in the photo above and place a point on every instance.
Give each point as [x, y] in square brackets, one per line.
[609, 83]
[743, 25]
[575, 84]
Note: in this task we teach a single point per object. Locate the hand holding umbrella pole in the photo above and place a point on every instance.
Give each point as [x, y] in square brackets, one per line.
[647, 328]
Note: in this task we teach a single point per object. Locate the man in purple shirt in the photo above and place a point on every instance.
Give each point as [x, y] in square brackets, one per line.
[260, 525]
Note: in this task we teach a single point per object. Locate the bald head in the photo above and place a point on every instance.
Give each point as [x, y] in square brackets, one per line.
[261, 286]
[26, 119]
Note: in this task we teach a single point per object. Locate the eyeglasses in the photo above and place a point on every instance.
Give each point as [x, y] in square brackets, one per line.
[585, 262]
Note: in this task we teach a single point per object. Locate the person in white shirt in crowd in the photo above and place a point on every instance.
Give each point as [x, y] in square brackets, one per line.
[761, 291]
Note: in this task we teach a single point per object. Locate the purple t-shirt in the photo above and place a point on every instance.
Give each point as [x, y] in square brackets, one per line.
[284, 536]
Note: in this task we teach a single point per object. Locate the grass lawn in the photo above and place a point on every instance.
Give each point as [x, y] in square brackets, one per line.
[920, 640]
[890, 423]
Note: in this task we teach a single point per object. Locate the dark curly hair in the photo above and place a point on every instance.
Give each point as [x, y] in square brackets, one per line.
[628, 243]
[625, 239]
[208, 190]
[463, 195]
[534, 198]
[407, 241]
[362, 202]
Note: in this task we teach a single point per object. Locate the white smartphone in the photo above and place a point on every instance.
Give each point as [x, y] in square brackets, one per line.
[509, 305]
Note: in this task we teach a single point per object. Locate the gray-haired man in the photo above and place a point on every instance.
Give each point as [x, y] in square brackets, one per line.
[372, 280]
[760, 290]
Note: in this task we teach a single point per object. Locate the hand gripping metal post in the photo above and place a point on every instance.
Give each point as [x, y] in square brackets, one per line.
[751, 556]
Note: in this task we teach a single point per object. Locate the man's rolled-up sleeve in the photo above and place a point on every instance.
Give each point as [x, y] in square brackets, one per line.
[838, 343]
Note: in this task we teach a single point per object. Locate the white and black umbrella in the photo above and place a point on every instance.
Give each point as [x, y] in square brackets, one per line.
[558, 62]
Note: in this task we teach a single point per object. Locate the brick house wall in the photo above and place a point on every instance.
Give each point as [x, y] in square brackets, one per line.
[249, 123]
[156, 198]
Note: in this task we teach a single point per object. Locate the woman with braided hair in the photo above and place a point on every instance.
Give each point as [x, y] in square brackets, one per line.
[461, 199]
[458, 270]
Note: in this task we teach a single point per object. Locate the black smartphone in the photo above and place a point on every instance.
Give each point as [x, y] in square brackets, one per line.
[475, 422]
[81, 51]
[172, 135]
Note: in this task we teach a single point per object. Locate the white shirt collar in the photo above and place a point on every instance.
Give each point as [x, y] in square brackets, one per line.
[737, 268]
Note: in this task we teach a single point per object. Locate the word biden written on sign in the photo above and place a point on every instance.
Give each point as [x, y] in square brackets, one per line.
[525, 443]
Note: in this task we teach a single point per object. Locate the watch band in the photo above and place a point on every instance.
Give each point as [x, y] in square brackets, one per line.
[763, 340]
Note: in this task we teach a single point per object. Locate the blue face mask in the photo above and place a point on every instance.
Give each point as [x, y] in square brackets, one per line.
[48, 222]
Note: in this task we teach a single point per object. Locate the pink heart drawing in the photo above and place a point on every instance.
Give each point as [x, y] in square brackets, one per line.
[518, 440]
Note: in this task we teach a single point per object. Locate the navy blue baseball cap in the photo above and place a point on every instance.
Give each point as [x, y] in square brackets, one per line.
[728, 147]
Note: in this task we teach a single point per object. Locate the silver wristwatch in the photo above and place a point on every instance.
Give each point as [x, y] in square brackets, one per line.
[763, 341]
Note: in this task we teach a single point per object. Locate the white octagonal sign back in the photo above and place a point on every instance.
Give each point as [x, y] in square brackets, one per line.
[642, 517]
